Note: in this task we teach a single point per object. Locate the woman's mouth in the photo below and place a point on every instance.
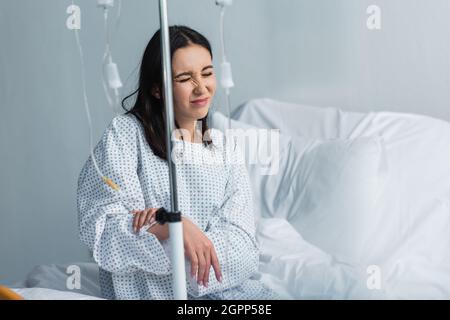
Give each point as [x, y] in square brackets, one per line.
[200, 102]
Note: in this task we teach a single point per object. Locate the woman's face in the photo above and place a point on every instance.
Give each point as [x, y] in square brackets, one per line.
[194, 83]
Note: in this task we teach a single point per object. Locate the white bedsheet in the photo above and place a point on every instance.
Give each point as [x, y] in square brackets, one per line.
[49, 282]
[51, 294]
[411, 244]
[298, 270]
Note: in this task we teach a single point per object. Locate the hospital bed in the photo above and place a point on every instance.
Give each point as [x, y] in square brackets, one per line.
[359, 207]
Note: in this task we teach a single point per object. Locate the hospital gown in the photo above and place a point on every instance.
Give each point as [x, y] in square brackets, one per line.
[213, 192]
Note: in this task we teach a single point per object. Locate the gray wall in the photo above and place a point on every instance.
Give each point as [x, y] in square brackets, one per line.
[317, 52]
[323, 54]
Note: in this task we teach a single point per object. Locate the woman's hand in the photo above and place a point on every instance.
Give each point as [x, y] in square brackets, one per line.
[148, 217]
[143, 217]
[197, 247]
[200, 251]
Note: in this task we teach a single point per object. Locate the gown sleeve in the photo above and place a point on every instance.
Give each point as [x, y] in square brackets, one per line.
[105, 222]
[234, 222]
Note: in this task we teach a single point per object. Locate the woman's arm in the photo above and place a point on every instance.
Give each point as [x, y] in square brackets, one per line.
[197, 247]
[105, 223]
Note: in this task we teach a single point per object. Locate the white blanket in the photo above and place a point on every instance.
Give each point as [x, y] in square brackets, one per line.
[411, 244]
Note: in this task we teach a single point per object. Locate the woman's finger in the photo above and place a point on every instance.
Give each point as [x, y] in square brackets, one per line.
[215, 264]
[194, 262]
[142, 219]
[136, 220]
[207, 267]
[150, 216]
[201, 267]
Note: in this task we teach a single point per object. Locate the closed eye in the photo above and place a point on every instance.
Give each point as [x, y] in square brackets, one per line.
[187, 79]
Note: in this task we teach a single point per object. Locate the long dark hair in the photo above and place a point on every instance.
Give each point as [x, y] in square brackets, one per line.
[149, 110]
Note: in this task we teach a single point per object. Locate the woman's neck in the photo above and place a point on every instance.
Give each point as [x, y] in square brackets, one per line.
[189, 133]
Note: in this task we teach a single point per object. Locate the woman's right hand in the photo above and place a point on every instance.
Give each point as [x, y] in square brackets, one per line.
[197, 247]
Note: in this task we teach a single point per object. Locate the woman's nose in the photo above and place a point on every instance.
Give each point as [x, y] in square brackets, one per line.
[200, 87]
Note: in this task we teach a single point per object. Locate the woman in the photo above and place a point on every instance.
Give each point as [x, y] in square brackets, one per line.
[214, 195]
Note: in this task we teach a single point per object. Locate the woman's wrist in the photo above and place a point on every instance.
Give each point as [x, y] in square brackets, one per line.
[160, 231]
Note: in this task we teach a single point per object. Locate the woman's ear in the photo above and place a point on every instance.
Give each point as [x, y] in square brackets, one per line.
[156, 93]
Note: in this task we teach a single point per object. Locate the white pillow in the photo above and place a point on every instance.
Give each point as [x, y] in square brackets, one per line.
[335, 189]
[298, 119]
[327, 189]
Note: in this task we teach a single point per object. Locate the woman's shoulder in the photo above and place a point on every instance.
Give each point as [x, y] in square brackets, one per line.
[122, 130]
[125, 122]
[125, 125]
[219, 139]
[216, 135]
[230, 145]
[227, 140]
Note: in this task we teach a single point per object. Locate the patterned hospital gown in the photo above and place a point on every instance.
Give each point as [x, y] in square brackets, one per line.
[213, 191]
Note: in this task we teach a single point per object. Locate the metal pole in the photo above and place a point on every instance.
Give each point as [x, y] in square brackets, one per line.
[175, 228]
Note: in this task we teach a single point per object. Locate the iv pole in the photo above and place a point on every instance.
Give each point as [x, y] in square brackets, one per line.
[173, 217]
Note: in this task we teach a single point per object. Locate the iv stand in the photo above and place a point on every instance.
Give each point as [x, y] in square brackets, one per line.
[173, 217]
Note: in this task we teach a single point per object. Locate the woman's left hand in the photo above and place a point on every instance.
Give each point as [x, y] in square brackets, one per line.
[143, 217]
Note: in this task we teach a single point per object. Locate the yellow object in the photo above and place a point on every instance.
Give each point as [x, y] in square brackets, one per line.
[8, 294]
[110, 183]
